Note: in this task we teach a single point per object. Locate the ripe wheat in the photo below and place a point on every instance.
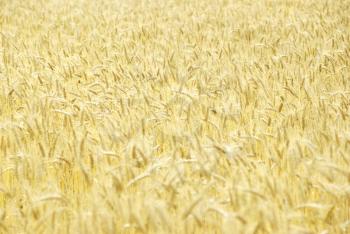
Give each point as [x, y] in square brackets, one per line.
[174, 116]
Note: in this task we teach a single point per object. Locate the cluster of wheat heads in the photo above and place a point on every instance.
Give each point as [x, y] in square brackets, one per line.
[174, 116]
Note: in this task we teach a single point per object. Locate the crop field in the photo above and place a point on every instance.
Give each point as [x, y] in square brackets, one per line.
[175, 116]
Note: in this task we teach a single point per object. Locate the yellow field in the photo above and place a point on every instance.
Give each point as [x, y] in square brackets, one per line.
[175, 116]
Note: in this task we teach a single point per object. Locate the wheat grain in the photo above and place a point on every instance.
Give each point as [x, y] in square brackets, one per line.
[138, 116]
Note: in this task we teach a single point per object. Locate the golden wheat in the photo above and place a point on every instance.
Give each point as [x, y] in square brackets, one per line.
[174, 116]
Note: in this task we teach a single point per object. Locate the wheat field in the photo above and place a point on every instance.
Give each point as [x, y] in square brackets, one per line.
[175, 116]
